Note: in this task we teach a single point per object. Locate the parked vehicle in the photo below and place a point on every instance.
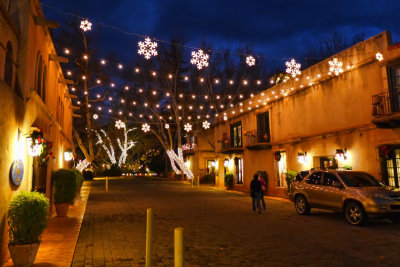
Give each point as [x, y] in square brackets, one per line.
[358, 195]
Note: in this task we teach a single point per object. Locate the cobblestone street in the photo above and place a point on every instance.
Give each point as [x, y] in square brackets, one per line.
[221, 230]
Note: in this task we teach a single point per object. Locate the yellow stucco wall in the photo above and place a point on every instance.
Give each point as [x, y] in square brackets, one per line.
[22, 109]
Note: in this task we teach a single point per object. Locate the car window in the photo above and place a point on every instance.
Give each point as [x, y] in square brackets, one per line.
[315, 178]
[301, 175]
[359, 179]
[329, 178]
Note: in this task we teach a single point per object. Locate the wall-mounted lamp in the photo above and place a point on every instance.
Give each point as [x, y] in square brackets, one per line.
[226, 163]
[302, 158]
[34, 149]
[68, 155]
[341, 154]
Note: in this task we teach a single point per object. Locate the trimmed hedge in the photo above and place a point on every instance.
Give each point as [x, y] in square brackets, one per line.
[228, 179]
[65, 185]
[27, 217]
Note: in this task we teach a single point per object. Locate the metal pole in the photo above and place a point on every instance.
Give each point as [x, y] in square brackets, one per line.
[192, 183]
[149, 237]
[106, 183]
[178, 253]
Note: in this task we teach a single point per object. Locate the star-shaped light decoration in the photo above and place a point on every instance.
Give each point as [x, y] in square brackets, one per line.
[293, 68]
[200, 59]
[335, 66]
[119, 124]
[206, 124]
[147, 48]
[95, 116]
[145, 127]
[166, 126]
[379, 56]
[250, 60]
[188, 127]
[86, 25]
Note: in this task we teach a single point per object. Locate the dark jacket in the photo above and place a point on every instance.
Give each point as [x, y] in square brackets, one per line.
[255, 187]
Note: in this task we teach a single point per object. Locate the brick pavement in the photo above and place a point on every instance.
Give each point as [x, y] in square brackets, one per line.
[221, 230]
[61, 234]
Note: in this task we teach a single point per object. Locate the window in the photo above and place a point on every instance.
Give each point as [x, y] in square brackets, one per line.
[39, 75]
[314, 178]
[239, 170]
[359, 179]
[394, 74]
[44, 84]
[282, 170]
[329, 178]
[236, 134]
[8, 72]
[263, 131]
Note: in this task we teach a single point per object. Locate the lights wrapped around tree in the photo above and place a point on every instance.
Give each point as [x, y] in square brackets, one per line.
[335, 66]
[199, 59]
[178, 159]
[82, 165]
[86, 25]
[147, 48]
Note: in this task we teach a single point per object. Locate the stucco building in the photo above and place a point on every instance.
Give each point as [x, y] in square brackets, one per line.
[33, 96]
[316, 120]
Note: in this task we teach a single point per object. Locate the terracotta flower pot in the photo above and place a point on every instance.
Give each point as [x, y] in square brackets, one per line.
[62, 209]
[23, 255]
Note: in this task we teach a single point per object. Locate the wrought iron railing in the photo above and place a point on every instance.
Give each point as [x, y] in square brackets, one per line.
[254, 137]
[381, 105]
[227, 144]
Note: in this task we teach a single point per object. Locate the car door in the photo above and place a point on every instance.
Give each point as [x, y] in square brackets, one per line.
[313, 189]
[333, 191]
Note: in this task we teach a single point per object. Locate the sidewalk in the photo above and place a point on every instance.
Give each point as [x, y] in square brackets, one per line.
[60, 236]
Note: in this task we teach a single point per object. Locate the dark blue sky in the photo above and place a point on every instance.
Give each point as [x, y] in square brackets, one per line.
[276, 29]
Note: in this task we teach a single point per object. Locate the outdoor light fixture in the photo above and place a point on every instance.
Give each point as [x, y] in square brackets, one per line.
[302, 158]
[68, 155]
[341, 154]
[226, 163]
[34, 149]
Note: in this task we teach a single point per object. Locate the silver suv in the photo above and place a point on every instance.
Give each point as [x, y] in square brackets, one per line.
[358, 195]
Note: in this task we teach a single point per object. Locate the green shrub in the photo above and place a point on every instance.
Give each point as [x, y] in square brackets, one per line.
[79, 177]
[290, 175]
[88, 175]
[228, 179]
[27, 217]
[65, 186]
[114, 170]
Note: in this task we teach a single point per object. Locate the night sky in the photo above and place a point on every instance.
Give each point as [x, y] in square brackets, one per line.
[278, 30]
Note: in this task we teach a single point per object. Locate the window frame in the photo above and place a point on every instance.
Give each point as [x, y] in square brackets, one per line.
[263, 119]
[239, 138]
[311, 175]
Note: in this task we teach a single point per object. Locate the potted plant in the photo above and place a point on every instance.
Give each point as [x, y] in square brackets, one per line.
[27, 218]
[79, 180]
[228, 179]
[290, 175]
[65, 190]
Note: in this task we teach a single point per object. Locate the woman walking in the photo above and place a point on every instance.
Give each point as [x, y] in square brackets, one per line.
[263, 189]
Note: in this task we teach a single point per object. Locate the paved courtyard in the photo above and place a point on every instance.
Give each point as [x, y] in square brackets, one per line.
[221, 230]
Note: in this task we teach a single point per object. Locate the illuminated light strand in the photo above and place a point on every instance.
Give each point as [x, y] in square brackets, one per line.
[110, 151]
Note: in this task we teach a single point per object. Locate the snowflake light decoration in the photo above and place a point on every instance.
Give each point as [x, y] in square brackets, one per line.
[147, 48]
[166, 126]
[206, 124]
[95, 116]
[335, 66]
[250, 60]
[293, 68]
[86, 25]
[188, 127]
[145, 127]
[379, 56]
[119, 124]
[200, 59]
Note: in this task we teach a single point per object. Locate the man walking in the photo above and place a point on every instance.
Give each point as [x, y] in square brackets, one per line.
[256, 193]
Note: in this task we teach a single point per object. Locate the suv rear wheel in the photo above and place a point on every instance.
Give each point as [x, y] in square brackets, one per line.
[355, 213]
[301, 205]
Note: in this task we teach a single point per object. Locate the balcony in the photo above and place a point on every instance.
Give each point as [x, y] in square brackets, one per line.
[385, 114]
[229, 148]
[254, 141]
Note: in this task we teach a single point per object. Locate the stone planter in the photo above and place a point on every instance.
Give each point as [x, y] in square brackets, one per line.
[62, 209]
[23, 255]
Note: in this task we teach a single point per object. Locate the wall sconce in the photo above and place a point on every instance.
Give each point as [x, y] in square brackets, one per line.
[341, 154]
[302, 158]
[68, 155]
[226, 163]
[34, 149]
